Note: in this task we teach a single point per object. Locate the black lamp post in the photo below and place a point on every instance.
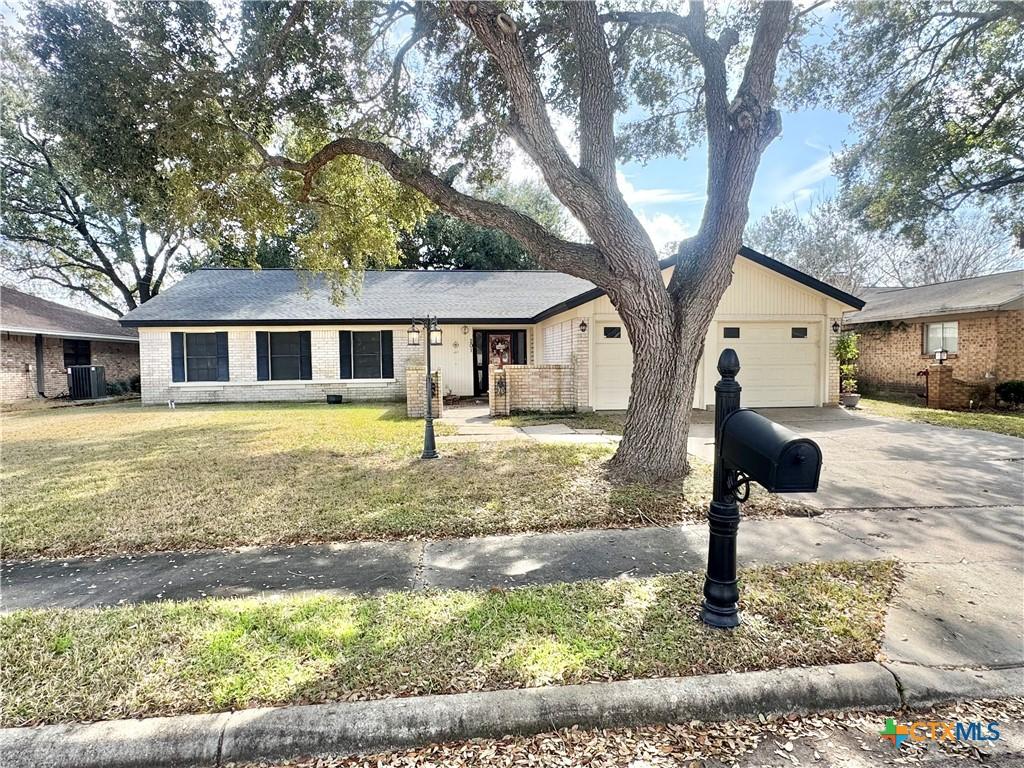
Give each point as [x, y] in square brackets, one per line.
[433, 331]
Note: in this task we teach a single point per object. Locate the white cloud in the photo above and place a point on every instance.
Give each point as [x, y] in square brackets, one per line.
[654, 195]
[801, 185]
[663, 228]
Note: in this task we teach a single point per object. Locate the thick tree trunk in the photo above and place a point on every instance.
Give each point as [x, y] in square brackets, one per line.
[653, 447]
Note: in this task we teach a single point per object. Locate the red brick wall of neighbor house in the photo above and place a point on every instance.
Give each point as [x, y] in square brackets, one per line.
[891, 354]
[17, 367]
[120, 362]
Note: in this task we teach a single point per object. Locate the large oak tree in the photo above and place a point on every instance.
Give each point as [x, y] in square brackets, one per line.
[308, 107]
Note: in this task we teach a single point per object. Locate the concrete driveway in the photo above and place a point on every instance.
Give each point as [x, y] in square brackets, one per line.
[875, 462]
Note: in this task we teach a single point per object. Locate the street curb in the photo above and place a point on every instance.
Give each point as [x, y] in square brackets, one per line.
[927, 686]
[341, 728]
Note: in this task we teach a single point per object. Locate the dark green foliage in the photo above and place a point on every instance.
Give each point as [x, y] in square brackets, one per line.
[936, 91]
[1011, 392]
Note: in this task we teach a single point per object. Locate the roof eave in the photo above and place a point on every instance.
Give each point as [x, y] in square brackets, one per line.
[854, 320]
[66, 334]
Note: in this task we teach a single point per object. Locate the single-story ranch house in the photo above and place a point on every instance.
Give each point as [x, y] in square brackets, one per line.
[979, 322]
[42, 338]
[556, 341]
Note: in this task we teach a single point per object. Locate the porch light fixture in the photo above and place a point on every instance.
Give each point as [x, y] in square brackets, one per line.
[941, 356]
[435, 335]
[414, 335]
[583, 326]
[835, 326]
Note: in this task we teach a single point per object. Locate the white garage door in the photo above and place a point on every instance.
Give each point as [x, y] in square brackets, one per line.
[779, 362]
[613, 368]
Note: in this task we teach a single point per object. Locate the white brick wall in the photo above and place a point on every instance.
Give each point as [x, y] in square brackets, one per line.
[157, 387]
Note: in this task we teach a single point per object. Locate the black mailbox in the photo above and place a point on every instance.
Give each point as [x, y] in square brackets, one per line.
[769, 454]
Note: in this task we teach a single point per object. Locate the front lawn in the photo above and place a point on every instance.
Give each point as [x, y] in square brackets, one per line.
[1002, 422]
[129, 478]
[214, 655]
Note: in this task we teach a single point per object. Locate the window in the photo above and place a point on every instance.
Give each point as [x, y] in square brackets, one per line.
[285, 356]
[731, 333]
[366, 355]
[200, 357]
[798, 333]
[941, 336]
[76, 352]
[613, 331]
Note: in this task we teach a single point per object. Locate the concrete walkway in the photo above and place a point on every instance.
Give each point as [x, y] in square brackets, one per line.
[959, 605]
[475, 425]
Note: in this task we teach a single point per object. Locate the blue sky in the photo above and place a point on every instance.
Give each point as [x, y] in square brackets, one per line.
[668, 193]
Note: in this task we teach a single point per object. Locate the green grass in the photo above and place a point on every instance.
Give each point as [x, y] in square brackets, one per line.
[213, 655]
[1003, 423]
[609, 421]
[129, 478]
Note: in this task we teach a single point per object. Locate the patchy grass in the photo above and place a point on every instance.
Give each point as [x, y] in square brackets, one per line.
[212, 655]
[609, 421]
[130, 478]
[1002, 422]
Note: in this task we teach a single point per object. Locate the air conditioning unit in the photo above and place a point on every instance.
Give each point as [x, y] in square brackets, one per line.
[87, 382]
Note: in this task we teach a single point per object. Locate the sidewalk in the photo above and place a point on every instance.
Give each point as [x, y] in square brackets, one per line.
[959, 604]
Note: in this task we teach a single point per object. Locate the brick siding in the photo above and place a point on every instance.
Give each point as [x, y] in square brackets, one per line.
[18, 372]
[119, 360]
[990, 349]
[416, 393]
[243, 386]
[541, 388]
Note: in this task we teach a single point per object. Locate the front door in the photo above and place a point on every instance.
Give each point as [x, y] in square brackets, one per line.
[495, 348]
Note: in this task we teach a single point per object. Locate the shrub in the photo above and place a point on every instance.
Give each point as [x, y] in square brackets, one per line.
[134, 384]
[846, 352]
[1011, 392]
[114, 388]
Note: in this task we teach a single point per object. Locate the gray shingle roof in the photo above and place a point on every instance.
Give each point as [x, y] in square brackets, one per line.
[25, 313]
[974, 294]
[238, 296]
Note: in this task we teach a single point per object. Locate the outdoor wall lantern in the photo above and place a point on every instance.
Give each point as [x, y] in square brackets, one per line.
[835, 326]
[941, 356]
[583, 326]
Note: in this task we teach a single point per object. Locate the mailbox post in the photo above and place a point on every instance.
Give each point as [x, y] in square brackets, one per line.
[720, 591]
[748, 448]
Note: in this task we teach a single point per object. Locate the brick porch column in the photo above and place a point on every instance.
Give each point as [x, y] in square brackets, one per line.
[940, 386]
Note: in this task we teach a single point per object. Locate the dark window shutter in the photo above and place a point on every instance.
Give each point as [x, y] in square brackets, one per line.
[346, 354]
[387, 355]
[222, 356]
[262, 356]
[177, 356]
[305, 356]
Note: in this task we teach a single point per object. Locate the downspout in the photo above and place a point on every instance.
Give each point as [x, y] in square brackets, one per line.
[40, 375]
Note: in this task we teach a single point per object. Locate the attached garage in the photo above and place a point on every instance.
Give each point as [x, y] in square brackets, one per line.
[779, 362]
[779, 320]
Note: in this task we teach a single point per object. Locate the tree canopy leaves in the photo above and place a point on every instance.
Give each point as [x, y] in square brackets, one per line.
[936, 91]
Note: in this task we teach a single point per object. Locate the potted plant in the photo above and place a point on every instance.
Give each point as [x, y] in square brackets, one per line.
[847, 354]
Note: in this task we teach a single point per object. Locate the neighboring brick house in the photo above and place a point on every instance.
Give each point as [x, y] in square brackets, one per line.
[978, 321]
[40, 338]
[541, 340]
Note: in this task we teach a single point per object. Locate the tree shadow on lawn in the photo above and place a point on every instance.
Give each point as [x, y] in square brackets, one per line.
[452, 642]
[197, 488]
